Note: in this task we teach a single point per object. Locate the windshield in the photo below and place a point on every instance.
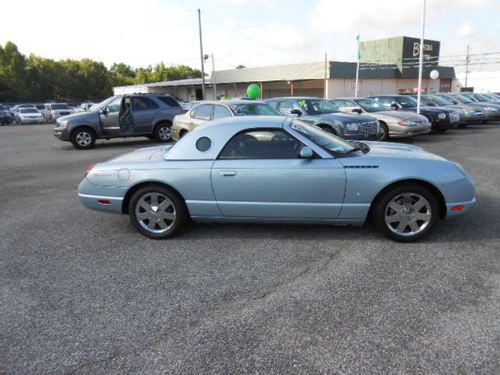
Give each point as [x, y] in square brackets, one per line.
[101, 105]
[440, 100]
[28, 110]
[370, 105]
[254, 109]
[327, 141]
[407, 101]
[464, 99]
[317, 106]
[60, 106]
[481, 97]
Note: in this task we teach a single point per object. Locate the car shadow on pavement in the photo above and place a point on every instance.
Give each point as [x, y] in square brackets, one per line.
[481, 224]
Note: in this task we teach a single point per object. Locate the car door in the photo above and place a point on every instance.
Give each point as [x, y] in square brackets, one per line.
[110, 124]
[144, 112]
[259, 174]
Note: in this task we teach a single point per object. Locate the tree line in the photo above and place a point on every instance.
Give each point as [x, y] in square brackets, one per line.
[34, 78]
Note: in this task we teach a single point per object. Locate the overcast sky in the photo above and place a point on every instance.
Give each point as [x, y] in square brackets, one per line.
[249, 32]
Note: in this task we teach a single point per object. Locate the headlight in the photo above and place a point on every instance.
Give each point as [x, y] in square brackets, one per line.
[406, 123]
[352, 127]
[491, 109]
[469, 110]
[62, 124]
[442, 116]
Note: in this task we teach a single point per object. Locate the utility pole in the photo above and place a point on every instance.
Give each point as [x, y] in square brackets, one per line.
[202, 58]
[421, 59]
[467, 61]
[214, 81]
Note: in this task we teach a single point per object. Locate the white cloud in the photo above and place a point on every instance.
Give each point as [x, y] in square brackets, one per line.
[466, 30]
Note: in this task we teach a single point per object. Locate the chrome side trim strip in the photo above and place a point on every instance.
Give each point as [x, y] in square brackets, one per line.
[99, 197]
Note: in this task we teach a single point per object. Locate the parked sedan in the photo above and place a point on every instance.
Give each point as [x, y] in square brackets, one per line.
[276, 169]
[208, 111]
[468, 115]
[5, 116]
[393, 124]
[440, 119]
[28, 116]
[491, 110]
[326, 115]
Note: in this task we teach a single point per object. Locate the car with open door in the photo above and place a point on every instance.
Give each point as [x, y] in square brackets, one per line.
[275, 169]
[137, 115]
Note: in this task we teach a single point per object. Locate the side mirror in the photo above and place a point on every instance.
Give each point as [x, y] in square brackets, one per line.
[394, 106]
[297, 112]
[103, 111]
[306, 153]
[357, 110]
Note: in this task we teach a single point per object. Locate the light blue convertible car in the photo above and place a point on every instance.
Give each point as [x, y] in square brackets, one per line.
[277, 169]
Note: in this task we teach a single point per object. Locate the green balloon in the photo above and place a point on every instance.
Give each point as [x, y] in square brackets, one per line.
[253, 91]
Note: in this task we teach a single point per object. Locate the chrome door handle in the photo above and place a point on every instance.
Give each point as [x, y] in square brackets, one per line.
[228, 173]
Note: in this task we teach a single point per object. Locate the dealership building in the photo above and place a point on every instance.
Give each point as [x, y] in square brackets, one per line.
[387, 66]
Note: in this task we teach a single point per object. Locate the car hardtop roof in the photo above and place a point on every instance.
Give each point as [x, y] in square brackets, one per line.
[232, 101]
[295, 98]
[352, 98]
[252, 122]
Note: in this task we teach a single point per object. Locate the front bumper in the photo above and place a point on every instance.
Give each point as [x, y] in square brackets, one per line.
[61, 133]
[441, 124]
[476, 117]
[399, 131]
[459, 208]
[492, 115]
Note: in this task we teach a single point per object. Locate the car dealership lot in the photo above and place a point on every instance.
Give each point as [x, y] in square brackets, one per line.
[82, 292]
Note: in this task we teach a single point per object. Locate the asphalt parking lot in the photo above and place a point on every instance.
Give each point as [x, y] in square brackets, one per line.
[84, 293]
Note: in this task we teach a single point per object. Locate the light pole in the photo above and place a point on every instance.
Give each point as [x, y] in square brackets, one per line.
[214, 81]
[202, 59]
[357, 69]
[421, 59]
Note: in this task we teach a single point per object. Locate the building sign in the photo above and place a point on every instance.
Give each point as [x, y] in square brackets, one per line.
[411, 51]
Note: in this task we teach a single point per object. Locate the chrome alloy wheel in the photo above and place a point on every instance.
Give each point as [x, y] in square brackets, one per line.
[382, 134]
[408, 214]
[164, 133]
[155, 212]
[83, 138]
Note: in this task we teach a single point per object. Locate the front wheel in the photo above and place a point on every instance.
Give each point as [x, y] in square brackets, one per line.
[157, 212]
[406, 213]
[383, 132]
[83, 138]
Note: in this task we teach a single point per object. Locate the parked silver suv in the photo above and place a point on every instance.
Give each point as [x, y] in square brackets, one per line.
[136, 115]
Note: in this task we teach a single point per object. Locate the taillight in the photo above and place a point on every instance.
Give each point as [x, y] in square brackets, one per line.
[91, 166]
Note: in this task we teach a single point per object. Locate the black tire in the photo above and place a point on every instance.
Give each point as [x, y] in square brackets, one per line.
[174, 205]
[162, 131]
[413, 191]
[182, 133]
[83, 138]
[383, 134]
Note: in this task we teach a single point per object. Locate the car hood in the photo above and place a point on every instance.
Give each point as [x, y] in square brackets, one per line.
[81, 117]
[144, 154]
[399, 150]
[344, 117]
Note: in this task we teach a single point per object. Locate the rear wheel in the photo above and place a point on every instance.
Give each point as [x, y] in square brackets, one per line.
[406, 213]
[157, 212]
[162, 132]
[83, 138]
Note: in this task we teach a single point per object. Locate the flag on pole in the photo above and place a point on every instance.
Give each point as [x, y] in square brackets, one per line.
[358, 39]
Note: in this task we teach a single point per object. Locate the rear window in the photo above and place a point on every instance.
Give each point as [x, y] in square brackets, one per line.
[171, 102]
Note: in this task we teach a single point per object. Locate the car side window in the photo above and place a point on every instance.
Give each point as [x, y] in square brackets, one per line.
[221, 112]
[386, 102]
[261, 144]
[114, 105]
[286, 107]
[143, 104]
[202, 112]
